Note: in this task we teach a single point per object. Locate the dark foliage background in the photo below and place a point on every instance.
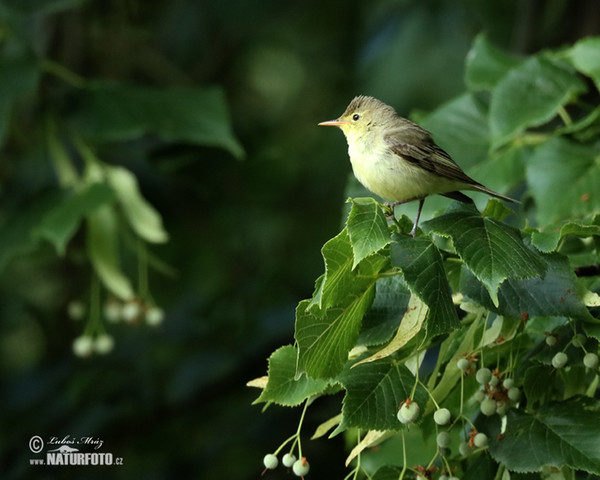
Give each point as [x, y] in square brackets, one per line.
[244, 234]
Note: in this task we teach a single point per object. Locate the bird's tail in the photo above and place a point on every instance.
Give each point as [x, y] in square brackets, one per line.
[484, 189]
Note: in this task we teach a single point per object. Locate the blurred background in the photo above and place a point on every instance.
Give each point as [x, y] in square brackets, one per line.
[244, 233]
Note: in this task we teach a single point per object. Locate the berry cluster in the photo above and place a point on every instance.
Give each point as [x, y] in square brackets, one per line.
[300, 466]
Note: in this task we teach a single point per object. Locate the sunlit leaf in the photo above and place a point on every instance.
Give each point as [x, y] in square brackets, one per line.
[367, 228]
[492, 250]
[486, 64]
[585, 55]
[283, 387]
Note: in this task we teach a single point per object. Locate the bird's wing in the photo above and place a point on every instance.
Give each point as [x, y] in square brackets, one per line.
[426, 154]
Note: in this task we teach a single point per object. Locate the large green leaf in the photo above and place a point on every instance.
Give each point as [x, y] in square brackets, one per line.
[566, 433]
[374, 394]
[560, 165]
[111, 112]
[367, 228]
[585, 55]
[530, 95]
[547, 240]
[492, 250]
[283, 387]
[61, 222]
[423, 270]
[486, 64]
[555, 295]
[324, 340]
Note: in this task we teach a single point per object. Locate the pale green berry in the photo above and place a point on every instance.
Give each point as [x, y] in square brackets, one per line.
[494, 381]
[551, 340]
[501, 409]
[480, 440]
[288, 459]
[488, 407]
[113, 311]
[443, 477]
[514, 394]
[443, 439]
[104, 343]
[83, 346]
[483, 375]
[270, 461]
[508, 383]
[131, 311]
[479, 395]
[154, 316]
[559, 360]
[463, 364]
[442, 416]
[590, 360]
[408, 413]
[300, 467]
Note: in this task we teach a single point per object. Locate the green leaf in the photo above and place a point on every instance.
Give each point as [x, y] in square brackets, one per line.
[555, 295]
[486, 64]
[115, 112]
[409, 327]
[142, 217]
[367, 228]
[62, 221]
[42, 6]
[386, 312]
[423, 270]
[566, 433]
[530, 95]
[340, 276]
[560, 165]
[102, 235]
[461, 128]
[325, 340]
[547, 240]
[585, 56]
[374, 394]
[492, 250]
[537, 383]
[283, 387]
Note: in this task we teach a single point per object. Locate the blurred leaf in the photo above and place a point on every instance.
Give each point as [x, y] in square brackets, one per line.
[497, 210]
[585, 55]
[547, 240]
[492, 250]
[115, 112]
[18, 78]
[530, 95]
[423, 270]
[560, 165]
[62, 221]
[142, 216]
[374, 393]
[486, 64]
[283, 387]
[538, 383]
[411, 325]
[103, 251]
[554, 295]
[566, 433]
[367, 228]
[461, 127]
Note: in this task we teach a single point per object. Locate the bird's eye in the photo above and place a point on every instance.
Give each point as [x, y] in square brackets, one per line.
[355, 117]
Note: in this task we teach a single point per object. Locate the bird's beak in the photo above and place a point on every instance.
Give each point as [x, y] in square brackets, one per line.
[333, 123]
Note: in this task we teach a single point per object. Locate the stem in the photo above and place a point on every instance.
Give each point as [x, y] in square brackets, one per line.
[564, 116]
[63, 73]
[403, 456]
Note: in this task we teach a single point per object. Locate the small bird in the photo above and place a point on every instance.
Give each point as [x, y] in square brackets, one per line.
[397, 159]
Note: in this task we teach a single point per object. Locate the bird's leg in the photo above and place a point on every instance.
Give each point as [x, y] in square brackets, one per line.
[413, 232]
[392, 205]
